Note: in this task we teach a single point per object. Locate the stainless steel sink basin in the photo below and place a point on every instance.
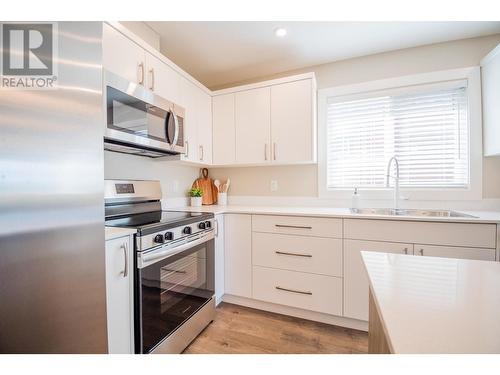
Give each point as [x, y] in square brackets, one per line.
[408, 212]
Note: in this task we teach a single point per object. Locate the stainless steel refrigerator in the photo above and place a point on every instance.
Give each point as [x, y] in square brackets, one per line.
[52, 273]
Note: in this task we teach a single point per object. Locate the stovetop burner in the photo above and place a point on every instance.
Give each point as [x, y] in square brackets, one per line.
[150, 222]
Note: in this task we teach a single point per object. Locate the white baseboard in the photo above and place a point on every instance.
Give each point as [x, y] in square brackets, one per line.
[299, 313]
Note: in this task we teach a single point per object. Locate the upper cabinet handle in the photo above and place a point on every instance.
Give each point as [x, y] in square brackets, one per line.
[274, 150]
[152, 85]
[186, 143]
[265, 151]
[140, 73]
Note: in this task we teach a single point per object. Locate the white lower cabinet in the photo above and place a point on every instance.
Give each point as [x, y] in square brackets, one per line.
[298, 289]
[119, 295]
[315, 264]
[238, 255]
[355, 278]
[455, 252]
[219, 258]
[298, 253]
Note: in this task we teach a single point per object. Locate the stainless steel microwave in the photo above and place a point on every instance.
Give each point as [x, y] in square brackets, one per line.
[141, 122]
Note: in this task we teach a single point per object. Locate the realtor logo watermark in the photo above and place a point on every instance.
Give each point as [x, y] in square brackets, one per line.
[29, 55]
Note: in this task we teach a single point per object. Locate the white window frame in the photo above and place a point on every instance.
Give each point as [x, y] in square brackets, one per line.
[473, 77]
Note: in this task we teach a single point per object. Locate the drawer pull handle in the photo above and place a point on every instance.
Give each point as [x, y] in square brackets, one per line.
[293, 290]
[293, 254]
[291, 226]
[174, 271]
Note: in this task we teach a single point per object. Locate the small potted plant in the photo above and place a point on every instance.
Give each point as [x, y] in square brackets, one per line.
[196, 194]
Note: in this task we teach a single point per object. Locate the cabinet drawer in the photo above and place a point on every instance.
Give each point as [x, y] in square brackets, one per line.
[298, 253]
[453, 234]
[299, 225]
[455, 252]
[303, 290]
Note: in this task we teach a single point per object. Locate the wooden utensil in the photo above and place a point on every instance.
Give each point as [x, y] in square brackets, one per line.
[207, 185]
[217, 185]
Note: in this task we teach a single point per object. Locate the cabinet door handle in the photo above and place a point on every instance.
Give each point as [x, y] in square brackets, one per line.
[125, 254]
[274, 150]
[152, 85]
[421, 251]
[216, 228]
[265, 151]
[291, 226]
[405, 250]
[140, 73]
[293, 254]
[293, 290]
[201, 152]
[186, 144]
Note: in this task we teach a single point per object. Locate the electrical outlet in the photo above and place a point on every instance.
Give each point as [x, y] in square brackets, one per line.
[274, 185]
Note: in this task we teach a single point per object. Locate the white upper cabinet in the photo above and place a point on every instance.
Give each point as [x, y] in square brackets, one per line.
[252, 109]
[122, 56]
[292, 122]
[224, 151]
[490, 82]
[188, 101]
[197, 123]
[272, 122]
[162, 79]
[204, 113]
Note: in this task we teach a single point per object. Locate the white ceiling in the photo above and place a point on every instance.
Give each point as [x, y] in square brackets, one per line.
[218, 53]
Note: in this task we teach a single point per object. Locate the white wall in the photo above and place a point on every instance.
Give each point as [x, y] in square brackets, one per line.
[175, 178]
[302, 180]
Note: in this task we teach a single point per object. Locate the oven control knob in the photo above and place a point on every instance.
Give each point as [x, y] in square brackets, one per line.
[158, 238]
[169, 236]
[202, 225]
[208, 224]
[186, 230]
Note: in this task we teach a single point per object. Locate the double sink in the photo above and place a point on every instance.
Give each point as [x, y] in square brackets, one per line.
[409, 212]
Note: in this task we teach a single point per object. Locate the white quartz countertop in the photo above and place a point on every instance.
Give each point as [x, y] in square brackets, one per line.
[111, 233]
[481, 216]
[436, 305]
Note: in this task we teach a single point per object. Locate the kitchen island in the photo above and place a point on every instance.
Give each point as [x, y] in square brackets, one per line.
[432, 305]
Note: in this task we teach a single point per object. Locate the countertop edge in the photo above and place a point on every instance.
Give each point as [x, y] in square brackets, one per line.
[111, 233]
[317, 212]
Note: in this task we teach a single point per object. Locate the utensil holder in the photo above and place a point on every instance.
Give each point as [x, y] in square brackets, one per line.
[222, 199]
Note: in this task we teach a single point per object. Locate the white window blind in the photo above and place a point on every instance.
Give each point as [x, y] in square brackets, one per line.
[426, 128]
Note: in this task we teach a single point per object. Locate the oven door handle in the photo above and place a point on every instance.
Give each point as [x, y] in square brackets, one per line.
[144, 260]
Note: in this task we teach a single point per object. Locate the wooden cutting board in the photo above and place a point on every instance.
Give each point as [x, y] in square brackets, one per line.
[206, 184]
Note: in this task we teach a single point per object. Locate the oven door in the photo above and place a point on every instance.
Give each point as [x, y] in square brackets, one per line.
[172, 285]
[136, 116]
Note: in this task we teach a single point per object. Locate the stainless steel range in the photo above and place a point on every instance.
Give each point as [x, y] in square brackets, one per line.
[174, 279]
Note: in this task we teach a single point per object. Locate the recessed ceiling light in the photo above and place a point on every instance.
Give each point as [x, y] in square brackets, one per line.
[280, 32]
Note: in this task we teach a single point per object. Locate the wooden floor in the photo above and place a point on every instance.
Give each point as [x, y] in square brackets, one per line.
[238, 329]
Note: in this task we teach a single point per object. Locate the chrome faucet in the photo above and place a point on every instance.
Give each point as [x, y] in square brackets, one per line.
[396, 180]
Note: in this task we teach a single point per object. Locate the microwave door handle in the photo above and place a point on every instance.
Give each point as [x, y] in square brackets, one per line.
[176, 124]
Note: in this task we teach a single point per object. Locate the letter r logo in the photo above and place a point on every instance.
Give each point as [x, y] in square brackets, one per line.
[27, 49]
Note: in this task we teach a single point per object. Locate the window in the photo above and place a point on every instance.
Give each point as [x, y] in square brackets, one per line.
[431, 122]
[425, 127]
